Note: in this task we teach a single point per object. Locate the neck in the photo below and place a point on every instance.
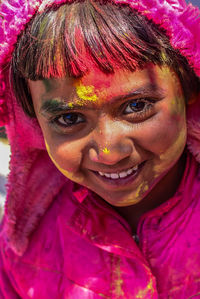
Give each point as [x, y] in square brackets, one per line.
[163, 191]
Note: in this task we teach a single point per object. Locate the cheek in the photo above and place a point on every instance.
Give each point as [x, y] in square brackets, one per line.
[67, 159]
[167, 130]
[176, 132]
[172, 153]
[174, 141]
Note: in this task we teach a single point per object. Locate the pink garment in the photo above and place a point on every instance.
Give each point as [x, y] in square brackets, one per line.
[55, 246]
[25, 206]
[28, 154]
[85, 250]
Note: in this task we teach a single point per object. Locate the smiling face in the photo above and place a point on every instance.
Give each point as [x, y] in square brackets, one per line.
[117, 134]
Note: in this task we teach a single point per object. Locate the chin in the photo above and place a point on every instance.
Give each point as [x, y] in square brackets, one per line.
[124, 202]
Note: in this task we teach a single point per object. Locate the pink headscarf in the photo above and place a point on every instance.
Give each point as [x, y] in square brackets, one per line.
[28, 197]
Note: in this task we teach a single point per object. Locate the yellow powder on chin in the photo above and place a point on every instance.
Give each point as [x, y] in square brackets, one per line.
[134, 197]
[141, 189]
[137, 193]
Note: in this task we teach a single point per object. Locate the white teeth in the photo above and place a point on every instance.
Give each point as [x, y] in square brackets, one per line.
[114, 176]
[122, 174]
[107, 175]
[129, 171]
[135, 168]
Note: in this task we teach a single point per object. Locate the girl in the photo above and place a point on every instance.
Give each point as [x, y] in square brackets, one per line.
[103, 196]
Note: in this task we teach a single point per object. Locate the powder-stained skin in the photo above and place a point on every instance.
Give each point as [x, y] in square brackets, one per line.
[106, 151]
[136, 117]
[85, 93]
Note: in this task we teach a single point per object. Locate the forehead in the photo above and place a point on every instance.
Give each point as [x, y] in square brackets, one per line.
[96, 85]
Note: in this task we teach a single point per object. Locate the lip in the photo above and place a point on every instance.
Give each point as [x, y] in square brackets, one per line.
[121, 181]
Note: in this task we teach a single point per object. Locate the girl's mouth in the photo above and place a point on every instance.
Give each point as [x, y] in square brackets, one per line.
[120, 178]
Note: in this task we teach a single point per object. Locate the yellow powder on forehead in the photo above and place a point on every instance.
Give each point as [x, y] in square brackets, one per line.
[86, 93]
[70, 105]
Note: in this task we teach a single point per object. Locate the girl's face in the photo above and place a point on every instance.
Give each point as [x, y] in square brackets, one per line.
[117, 134]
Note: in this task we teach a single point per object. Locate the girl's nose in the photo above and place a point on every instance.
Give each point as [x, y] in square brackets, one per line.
[109, 155]
[110, 144]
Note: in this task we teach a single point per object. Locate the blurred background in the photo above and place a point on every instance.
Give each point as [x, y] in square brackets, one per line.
[4, 160]
[194, 2]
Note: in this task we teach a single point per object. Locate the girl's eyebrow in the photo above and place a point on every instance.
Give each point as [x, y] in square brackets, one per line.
[53, 106]
[56, 105]
[148, 90]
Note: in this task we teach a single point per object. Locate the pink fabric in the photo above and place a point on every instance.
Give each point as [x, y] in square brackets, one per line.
[27, 144]
[85, 250]
[55, 246]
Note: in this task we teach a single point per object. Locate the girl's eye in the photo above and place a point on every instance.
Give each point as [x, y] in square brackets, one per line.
[69, 119]
[138, 106]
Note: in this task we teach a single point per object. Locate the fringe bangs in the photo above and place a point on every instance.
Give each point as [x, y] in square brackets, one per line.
[47, 50]
[69, 40]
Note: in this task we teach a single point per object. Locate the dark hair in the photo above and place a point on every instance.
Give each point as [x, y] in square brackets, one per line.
[64, 40]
